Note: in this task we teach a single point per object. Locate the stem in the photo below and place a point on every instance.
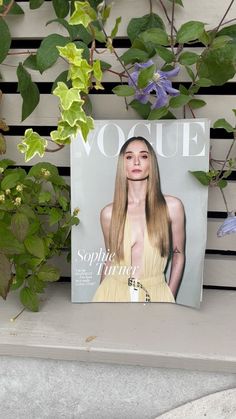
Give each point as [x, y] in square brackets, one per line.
[224, 199]
[15, 317]
[53, 150]
[166, 14]
[172, 26]
[7, 9]
[223, 18]
[150, 4]
[226, 159]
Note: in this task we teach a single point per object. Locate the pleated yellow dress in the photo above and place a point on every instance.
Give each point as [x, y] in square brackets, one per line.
[151, 283]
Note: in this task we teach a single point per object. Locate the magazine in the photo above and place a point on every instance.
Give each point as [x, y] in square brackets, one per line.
[143, 215]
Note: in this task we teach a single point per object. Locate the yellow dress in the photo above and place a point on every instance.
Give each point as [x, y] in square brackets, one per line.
[152, 286]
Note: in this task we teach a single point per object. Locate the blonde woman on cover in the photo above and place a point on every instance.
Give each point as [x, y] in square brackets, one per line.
[142, 229]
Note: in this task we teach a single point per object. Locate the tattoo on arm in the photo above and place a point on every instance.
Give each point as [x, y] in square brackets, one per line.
[176, 250]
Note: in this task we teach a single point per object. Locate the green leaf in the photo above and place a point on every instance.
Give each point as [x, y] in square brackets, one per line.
[222, 183]
[188, 58]
[158, 113]
[29, 299]
[28, 90]
[32, 144]
[48, 273]
[123, 90]
[145, 76]
[19, 226]
[220, 41]
[181, 100]
[228, 31]
[44, 197]
[5, 40]
[205, 38]
[55, 216]
[38, 170]
[155, 37]
[74, 114]
[8, 243]
[190, 31]
[61, 7]
[5, 275]
[31, 62]
[134, 55]
[165, 54]
[35, 4]
[138, 25]
[218, 65]
[63, 202]
[14, 10]
[10, 181]
[196, 103]
[84, 14]
[48, 53]
[203, 82]
[5, 163]
[116, 27]
[19, 277]
[142, 109]
[104, 65]
[201, 176]
[83, 46]
[67, 96]
[35, 246]
[222, 123]
[36, 285]
[63, 77]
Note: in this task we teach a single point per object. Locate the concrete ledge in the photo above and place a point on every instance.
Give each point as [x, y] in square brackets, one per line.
[158, 335]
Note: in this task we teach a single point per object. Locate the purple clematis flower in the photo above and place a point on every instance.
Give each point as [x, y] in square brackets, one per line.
[228, 226]
[160, 84]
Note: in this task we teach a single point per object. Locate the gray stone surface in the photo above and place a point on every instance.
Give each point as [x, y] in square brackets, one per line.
[41, 388]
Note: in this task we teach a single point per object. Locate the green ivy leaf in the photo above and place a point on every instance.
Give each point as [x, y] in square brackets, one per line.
[138, 25]
[31, 62]
[35, 246]
[155, 37]
[48, 53]
[63, 77]
[123, 90]
[74, 114]
[28, 90]
[145, 75]
[5, 40]
[142, 109]
[48, 273]
[32, 144]
[222, 123]
[61, 7]
[35, 4]
[188, 58]
[67, 96]
[5, 275]
[84, 14]
[19, 226]
[134, 55]
[29, 299]
[201, 176]
[190, 31]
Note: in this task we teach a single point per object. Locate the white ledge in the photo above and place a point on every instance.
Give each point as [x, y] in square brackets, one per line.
[158, 335]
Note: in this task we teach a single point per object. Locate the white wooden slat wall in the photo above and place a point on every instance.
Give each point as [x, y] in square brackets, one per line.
[219, 268]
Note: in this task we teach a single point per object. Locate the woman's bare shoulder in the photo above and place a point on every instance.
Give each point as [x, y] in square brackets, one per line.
[174, 203]
[106, 213]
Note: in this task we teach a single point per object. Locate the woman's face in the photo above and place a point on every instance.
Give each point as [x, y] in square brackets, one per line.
[137, 160]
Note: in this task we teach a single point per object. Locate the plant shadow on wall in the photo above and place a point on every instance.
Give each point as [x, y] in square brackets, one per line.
[158, 52]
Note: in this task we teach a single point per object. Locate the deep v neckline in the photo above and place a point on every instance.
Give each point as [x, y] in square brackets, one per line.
[128, 220]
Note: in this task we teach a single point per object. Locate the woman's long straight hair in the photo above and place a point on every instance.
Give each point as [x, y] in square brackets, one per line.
[157, 217]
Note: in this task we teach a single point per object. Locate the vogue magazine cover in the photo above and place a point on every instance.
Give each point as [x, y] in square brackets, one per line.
[143, 215]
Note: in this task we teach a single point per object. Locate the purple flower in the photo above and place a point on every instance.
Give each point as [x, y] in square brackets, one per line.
[160, 84]
[228, 226]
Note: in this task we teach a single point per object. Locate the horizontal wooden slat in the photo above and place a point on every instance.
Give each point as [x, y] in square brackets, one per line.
[33, 23]
[106, 107]
[220, 271]
[8, 69]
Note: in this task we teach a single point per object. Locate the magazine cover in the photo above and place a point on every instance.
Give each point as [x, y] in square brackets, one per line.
[143, 215]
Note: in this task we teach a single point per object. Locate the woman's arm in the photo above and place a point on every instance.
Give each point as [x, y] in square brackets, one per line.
[177, 216]
[105, 219]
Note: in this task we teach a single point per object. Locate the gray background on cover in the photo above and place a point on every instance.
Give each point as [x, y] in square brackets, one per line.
[92, 185]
